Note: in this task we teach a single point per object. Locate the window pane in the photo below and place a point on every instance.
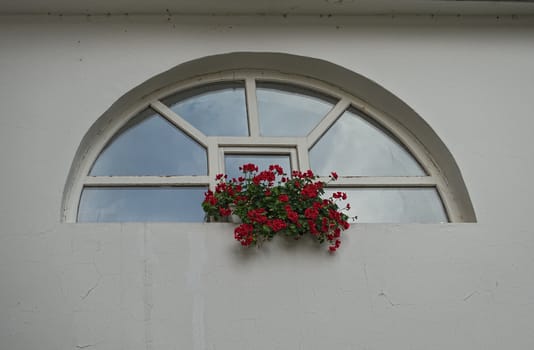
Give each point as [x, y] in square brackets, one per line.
[394, 205]
[216, 109]
[354, 146]
[289, 111]
[150, 145]
[232, 162]
[116, 204]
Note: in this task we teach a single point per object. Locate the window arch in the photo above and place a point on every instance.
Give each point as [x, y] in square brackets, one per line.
[147, 162]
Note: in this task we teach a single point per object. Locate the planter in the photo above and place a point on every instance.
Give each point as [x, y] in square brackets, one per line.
[234, 219]
[273, 202]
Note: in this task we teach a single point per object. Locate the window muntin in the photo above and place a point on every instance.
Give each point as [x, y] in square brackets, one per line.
[428, 176]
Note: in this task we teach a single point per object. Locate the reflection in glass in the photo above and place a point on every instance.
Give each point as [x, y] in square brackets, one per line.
[354, 146]
[216, 110]
[394, 205]
[134, 204]
[150, 145]
[289, 111]
[232, 162]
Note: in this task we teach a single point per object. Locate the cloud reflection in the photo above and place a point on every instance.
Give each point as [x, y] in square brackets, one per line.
[355, 147]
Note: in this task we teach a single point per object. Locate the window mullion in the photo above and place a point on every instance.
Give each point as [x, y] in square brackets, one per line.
[252, 107]
[214, 164]
[384, 181]
[302, 155]
[179, 122]
[146, 180]
[233, 141]
[327, 121]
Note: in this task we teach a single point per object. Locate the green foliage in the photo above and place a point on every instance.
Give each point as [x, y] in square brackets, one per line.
[269, 202]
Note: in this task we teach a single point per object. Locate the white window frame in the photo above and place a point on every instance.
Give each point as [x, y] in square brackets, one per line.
[266, 151]
[298, 147]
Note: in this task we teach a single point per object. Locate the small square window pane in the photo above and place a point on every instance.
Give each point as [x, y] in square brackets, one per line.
[393, 205]
[232, 162]
[134, 204]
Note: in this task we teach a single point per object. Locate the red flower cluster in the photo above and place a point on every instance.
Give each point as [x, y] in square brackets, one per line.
[293, 205]
[341, 195]
[225, 211]
[257, 216]
[277, 224]
[291, 215]
[267, 175]
[244, 234]
[312, 190]
[279, 170]
[210, 198]
[248, 168]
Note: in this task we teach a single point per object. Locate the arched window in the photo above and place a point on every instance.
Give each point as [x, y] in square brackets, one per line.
[154, 161]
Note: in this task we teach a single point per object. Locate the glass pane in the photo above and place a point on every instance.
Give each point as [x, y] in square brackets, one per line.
[216, 109]
[119, 204]
[289, 111]
[232, 162]
[354, 146]
[394, 205]
[150, 145]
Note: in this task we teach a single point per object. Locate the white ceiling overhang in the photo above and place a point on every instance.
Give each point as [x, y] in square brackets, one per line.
[268, 7]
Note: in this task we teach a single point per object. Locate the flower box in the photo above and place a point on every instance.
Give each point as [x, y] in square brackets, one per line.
[269, 202]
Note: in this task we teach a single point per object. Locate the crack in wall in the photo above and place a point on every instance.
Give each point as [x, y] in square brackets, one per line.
[147, 289]
[91, 289]
[391, 303]
[470, 295]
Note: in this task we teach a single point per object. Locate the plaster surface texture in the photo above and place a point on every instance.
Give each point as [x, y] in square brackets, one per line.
[180, 286]
[189, 286]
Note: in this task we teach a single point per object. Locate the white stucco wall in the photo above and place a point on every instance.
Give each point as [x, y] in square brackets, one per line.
[179, 286]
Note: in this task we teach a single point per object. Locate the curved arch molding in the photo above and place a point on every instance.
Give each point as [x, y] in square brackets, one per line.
[349, 81]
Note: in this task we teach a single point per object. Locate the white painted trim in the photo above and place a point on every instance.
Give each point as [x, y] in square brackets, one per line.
[327, 121]
[98, 140]
[252, 107]
[231, 141]
[382, 181]
[303, 157]
[179, 122]
[213, 161]
[147, 180]
[291, 152]
[217, 146]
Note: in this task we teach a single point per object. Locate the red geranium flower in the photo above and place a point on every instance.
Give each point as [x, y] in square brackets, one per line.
[269, 202]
